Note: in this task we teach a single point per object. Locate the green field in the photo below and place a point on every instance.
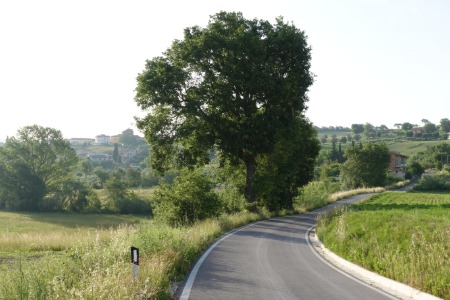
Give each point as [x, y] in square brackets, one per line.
[402, 146]
[403, 236]
[81, 256]
[31, 233]
[411, 147]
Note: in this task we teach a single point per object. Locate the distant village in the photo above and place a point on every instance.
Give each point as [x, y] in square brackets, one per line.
[127, 150]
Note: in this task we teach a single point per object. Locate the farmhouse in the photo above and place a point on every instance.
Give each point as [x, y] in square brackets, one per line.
[397, 166]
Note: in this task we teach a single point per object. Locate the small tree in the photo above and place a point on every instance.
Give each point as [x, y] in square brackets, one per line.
[407, 126]
[133, 177]
[445, 125]
[357, 128]
[86, 167]
[116, 156]
[190, 198]
[366, 166]
[368, 127]
[117, 189]
[430, 128]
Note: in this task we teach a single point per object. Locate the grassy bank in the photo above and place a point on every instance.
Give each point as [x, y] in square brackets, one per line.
[403, 236]
[88, 256]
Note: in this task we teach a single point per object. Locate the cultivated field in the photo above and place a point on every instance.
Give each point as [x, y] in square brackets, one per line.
[403, 236]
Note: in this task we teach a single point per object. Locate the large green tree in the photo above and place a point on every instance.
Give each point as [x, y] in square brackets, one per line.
[289, 166]
[232, 86]
[35, 165]
[366, 166]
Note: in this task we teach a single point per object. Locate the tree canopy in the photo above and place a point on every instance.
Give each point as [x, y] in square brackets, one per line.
[366, 166]
[34, 165]
[233, 86]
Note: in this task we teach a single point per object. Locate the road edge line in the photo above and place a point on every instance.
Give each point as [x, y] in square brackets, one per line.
[190, 281]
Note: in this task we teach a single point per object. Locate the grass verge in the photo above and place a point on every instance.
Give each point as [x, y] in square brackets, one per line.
[95, 264]
[403, 236]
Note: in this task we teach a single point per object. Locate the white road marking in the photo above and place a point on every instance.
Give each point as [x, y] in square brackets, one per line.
[190, 282]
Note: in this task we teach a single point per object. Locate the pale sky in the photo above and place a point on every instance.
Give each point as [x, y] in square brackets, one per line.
[72, 65]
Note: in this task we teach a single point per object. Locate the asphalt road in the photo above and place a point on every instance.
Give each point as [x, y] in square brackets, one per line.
[272, 260]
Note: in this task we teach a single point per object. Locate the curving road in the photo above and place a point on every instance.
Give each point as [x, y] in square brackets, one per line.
[272, 259]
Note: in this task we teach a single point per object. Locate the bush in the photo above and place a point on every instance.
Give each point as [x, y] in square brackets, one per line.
[190, 198]
[232, 199]
[315, 194]
[133, 204]
[435, 183]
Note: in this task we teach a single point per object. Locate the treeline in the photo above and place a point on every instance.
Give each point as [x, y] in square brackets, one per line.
[427, 131]
[40, 171]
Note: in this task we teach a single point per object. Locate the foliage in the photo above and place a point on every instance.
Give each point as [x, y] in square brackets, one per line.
[357, 128]
[190, 198]
[445, 125]
[365, 166]
[34, 167]
[230, 182]
[288, 167]
[232, 86]
[403, 236]
[434, 156]
[117, 159]
[133, 177]
[330, 171]
[116, 187]
[407, 126]
[415, 169]
[120, 199]
[86, 167]
[435, 183]
[315, 194]
[430, 128]
[132, 204]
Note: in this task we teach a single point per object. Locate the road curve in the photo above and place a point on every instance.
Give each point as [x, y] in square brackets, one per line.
[272, 260]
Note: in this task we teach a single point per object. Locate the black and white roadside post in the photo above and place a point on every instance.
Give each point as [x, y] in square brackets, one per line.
[135, 262]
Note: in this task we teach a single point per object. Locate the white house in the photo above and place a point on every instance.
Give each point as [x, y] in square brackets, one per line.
[102, 139]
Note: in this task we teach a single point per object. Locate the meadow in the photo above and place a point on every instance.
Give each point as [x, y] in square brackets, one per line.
[82, 256]
[403, 236]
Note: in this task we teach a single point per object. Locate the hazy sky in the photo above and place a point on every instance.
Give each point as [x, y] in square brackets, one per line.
[72, 65]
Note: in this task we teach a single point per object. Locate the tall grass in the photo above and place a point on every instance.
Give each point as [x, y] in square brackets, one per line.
[67, 256]
[402, 236]
[320, 193]
[97, 266]
[345, 194]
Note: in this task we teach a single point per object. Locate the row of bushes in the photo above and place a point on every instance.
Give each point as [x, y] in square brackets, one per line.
[436, 183]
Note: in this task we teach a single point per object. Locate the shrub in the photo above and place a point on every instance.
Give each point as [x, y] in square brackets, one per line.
[433, 183]
[132, 204]
[232, 199]
[188, 199]
[315, 194]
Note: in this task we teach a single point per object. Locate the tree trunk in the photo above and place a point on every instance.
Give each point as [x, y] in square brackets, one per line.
[250, 164]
